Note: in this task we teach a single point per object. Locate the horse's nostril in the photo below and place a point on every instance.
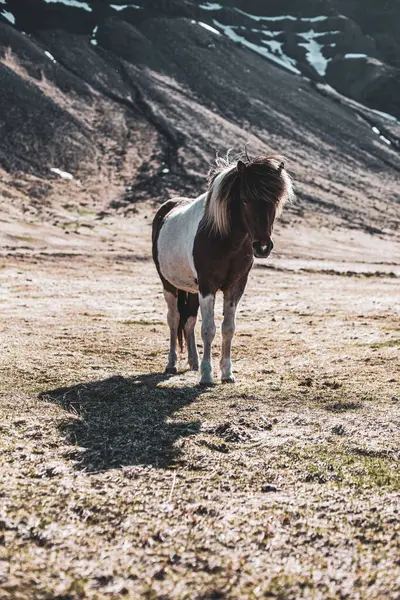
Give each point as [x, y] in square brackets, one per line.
[262, 250]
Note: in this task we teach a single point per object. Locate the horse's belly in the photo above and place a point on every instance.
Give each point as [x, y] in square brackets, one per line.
[176, 269]
[175, 251]
[184, 279]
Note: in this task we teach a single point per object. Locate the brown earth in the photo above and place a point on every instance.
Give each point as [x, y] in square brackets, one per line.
[117, 481]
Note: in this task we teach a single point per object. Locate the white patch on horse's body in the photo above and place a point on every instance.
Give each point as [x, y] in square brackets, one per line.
[175, 244]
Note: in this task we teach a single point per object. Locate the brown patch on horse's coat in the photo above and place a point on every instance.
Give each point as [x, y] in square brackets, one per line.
[220, 261]
[259, 182]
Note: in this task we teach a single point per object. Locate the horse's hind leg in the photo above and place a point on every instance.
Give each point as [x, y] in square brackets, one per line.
[173, 322]
[189, 330]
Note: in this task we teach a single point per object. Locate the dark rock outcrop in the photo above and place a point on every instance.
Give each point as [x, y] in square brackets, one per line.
[368, 80]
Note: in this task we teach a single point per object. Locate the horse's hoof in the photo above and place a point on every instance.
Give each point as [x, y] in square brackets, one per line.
[171, 371]
[206, 383]
[229, 379]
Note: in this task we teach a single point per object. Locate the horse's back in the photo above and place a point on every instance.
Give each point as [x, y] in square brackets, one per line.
[174, 229]
[160, 216]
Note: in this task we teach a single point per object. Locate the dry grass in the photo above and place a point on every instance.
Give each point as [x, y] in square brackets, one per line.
[117, 481]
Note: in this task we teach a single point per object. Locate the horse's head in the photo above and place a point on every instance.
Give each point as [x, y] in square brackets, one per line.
[264, 187]
[247, 195]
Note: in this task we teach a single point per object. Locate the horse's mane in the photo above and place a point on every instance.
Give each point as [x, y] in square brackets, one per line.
[261, 177]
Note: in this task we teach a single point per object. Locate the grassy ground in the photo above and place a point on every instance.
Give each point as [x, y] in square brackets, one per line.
[117, 481]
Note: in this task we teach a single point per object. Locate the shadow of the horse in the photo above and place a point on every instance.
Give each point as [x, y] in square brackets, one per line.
[124, 421]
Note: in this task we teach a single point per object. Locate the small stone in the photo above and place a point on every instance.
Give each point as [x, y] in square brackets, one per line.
[269, 488]
[338, 430]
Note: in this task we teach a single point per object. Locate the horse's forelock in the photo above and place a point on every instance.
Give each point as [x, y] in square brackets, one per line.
[266, 178]
[217, 208]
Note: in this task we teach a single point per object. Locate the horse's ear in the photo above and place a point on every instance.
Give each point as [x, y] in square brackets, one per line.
[241, 167]
[281, 167]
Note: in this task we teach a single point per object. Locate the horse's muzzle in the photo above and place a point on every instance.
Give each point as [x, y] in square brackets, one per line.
[262, 250]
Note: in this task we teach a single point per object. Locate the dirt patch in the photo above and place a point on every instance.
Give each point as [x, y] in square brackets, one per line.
[118, 480]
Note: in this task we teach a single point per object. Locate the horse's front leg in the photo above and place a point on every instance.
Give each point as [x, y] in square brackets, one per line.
[208, 333]
[173, 322]
[231, 301]
[227, 330]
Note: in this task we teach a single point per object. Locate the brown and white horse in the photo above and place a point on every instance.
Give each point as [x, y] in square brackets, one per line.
[204, 245]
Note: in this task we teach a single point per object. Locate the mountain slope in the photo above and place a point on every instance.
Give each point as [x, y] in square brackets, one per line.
[138, 100]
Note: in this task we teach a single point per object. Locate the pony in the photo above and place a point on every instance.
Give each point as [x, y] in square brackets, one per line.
[208, 244]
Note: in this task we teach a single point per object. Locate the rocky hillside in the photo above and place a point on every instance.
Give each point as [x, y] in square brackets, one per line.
[352, 46]
[137, 98]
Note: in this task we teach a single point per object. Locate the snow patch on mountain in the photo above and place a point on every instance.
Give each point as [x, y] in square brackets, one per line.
[325, 87]
[283, 17]
[62, 174]
[71, 3]
[210, 6]
[314, 19]
[123, 6]
[275, 53]
[385, 115]
[9, 16]
[209, 28]
[382, 137]
[93, 40]
[315, 56]
[314, 49]
[349, 55]
[50, 56]
[259, 18]
[267, 32]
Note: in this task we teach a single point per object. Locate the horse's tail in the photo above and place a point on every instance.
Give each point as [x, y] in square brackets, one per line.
[183, 316]
[188, 307]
